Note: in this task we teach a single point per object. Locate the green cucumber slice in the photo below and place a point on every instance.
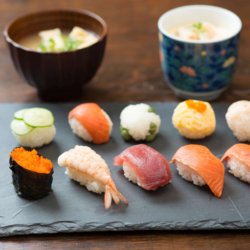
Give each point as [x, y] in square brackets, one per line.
[19, 127]
[38, 117]
[19, 114]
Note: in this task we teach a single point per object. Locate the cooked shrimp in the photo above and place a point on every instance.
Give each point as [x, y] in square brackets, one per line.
[88, 168]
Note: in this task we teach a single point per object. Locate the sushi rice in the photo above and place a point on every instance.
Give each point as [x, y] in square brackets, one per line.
[238, 169]
[189, 175]
[130, 174]
[80, 130]
[37, 137]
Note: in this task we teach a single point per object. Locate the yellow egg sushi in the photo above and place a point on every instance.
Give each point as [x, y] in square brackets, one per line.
[194, 119]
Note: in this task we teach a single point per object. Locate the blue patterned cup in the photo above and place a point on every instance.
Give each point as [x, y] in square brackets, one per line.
[194, 68]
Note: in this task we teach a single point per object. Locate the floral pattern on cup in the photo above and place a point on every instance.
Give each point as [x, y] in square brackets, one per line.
[198, 67]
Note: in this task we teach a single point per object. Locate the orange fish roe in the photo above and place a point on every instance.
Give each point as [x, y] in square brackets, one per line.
[197, 105]
[30, 160]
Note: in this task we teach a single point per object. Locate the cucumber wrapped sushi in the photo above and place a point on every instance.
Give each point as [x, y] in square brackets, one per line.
[139, 122]
[33, 127]
[31, 173]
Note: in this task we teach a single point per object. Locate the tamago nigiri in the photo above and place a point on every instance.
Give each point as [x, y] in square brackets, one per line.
[88, 168]
[90, 122]
[144, 166]
[196, 163]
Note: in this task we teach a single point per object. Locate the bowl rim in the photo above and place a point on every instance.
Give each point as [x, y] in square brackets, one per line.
[165, 33]
[74, 10]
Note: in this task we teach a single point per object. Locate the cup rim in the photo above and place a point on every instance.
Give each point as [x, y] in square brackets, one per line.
[81, 11]
[164, 32]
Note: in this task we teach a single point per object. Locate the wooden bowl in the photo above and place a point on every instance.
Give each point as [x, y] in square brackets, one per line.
[57, 76]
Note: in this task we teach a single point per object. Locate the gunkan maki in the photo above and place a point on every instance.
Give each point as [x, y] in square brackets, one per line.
[31, 173]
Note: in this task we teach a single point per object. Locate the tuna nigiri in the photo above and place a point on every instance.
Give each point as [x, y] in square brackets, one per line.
[90, 122]
[88, 168]
[196, 163]
[144, 166]
[238, 161]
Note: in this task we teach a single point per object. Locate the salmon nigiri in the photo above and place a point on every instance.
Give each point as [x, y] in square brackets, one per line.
[90, 122]
[144, 166]
[238, 161]
[88, 168]
[196, 163]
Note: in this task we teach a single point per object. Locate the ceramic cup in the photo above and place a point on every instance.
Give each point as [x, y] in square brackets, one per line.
[196, 69]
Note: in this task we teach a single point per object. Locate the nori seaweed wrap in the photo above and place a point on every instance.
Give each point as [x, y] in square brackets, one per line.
[31, 173]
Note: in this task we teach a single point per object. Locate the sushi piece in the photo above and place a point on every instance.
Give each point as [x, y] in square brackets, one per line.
[88, 168]
[238, 119]
[196, 163]
[144, 166]
[31, 173]
[139, 122]
[33, 127]
[237, 159]
[194, 119]
[91, 123]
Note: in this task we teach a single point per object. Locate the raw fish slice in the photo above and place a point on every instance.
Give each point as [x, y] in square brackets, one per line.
[94, 120]
[200, 161]
[89, 169]
[238, 161]
[144, 166]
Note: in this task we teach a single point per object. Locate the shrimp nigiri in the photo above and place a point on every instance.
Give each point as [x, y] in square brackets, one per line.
[90, 122]
[88, 168]
[238, 161]
[196, 163]
[144, 166]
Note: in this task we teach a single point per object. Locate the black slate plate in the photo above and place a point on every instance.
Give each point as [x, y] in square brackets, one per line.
[71, 208]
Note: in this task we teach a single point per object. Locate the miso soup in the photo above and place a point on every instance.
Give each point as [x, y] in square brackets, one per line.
[57, 40]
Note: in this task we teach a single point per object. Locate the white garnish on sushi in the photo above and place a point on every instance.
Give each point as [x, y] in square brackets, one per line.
[139, 122]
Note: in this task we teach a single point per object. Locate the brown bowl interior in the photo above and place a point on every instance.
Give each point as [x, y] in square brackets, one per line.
[63, 19]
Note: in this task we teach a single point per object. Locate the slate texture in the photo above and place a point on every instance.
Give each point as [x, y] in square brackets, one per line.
[71, 208]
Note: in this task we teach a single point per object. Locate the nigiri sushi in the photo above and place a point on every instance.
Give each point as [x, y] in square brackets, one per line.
[139, 122]
[33, 127]
[144, 166]
[88, 168]
[31, 173]
[237, 159]
[196, 163]
[238, 119]
[194, 119]
[91, 123]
